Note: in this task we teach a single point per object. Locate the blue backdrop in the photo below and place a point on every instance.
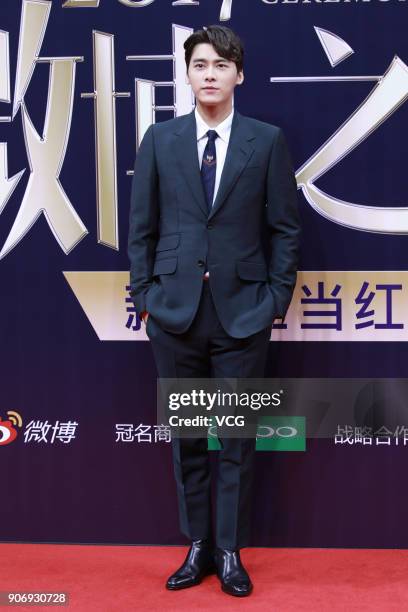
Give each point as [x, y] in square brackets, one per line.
[90, 486]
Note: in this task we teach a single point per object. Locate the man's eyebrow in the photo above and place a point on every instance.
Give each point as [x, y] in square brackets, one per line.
[219, 59]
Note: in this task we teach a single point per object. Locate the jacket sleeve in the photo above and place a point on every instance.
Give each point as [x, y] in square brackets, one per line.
[283, 225]
[143, 221]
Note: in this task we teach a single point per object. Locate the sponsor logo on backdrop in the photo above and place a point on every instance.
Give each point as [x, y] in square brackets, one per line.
[41, 432]
[50, 433]
[273, 434]
[9, 428]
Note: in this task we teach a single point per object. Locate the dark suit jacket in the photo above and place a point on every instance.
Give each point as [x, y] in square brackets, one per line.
[249, 240]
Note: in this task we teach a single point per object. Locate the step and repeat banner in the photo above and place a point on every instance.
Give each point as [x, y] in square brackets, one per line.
[83, 457]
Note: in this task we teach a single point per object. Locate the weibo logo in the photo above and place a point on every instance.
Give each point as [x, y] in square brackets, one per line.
[8, 432]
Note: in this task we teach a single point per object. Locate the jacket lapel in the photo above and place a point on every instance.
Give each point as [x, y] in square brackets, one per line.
[187, 158]
[239, 152]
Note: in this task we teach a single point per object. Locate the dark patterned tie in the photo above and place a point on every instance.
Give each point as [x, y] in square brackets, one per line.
[208, 168]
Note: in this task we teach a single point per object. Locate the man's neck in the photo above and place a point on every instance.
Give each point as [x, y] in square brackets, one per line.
[214, 115]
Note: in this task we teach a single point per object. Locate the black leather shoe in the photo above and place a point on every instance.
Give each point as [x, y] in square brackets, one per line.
[198, 563]
[232, 574]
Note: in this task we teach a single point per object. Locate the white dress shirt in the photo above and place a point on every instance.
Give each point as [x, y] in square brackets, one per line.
[223, 130]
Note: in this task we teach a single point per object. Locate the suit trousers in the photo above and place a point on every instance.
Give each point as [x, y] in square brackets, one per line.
[205, 350]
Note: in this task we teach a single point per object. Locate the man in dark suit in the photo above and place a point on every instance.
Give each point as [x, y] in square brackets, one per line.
[213, 244]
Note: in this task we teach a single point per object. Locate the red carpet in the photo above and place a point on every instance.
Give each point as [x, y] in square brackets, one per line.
[130, 578]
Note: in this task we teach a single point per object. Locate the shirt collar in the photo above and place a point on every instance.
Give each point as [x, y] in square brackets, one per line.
[223, 129]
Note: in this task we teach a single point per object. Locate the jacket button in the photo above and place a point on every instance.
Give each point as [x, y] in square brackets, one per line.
[200, 262]
[209, 226]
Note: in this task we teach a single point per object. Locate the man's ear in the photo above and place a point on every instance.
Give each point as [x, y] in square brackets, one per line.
[187, 78]
[240, 77]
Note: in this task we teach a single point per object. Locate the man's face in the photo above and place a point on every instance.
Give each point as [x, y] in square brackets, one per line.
[212, 77]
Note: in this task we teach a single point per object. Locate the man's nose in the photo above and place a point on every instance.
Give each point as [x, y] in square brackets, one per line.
[210, 74]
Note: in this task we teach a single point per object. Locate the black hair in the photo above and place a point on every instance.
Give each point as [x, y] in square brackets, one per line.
[227, 44]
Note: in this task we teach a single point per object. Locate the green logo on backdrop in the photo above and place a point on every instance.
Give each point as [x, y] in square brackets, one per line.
[275, 433]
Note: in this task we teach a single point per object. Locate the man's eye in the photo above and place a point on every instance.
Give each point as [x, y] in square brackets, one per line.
[222, 65]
